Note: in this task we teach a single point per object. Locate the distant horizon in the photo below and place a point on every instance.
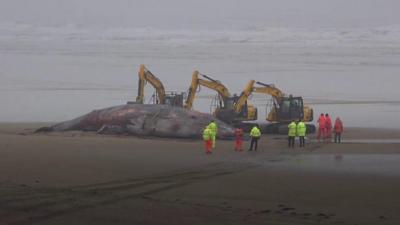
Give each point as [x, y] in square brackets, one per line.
[206, 14]
[259, 27]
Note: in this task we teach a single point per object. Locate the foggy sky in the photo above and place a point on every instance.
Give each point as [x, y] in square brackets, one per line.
[203, 13]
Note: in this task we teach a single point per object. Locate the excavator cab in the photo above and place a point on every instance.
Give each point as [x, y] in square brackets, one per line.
[234, 113]
[286, 109]
[230, 101]
[174, 99]
[247, 112]
[291, 108]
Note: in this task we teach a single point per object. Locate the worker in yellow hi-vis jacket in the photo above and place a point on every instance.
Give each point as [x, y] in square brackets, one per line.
[301, 132]
[214, 130]
[255, 135]
[292, 133]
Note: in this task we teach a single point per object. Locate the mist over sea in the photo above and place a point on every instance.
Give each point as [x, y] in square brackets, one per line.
[55, 73]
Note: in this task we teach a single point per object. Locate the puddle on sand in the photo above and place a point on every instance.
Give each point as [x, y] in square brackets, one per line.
[367, 141]
[380, 164]
[372, 141]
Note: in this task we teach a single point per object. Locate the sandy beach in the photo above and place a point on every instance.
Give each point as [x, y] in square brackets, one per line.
[84, 178]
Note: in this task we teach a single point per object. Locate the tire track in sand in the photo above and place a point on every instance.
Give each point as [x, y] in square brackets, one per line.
[35, 206]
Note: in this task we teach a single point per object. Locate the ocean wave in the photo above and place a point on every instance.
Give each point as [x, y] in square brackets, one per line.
[389, 35]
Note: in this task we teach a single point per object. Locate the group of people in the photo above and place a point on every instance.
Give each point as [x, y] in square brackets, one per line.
[210, 134]
[298, 129]
[325, 129]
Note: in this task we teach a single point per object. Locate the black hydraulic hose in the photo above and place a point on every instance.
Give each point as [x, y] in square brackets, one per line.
[209, 78]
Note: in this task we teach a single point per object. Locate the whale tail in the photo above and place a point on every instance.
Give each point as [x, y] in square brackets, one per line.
[44, 129]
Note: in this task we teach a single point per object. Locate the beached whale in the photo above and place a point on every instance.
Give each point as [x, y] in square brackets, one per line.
[144, 120]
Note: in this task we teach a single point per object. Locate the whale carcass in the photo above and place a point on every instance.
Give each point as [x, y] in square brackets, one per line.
[144, 120]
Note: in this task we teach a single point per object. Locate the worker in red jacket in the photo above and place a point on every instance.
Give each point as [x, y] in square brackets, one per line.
[238, 139]
[321, 127]
[328, 128]
[338, 129]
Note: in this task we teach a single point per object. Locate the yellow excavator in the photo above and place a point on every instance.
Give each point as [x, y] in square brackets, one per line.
[236, 109]
[284, 109]
[230, 109]
[208, 82]
[160, 97]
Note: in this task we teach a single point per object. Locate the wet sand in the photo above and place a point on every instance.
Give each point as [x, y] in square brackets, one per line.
[76, 178]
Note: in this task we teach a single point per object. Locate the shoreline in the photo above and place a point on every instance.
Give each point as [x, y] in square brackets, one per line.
[351, 132]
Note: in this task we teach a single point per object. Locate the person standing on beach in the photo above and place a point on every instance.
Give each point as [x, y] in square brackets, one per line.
[213, 127]
[255, 135]
[207, 140]
[338, 129]
[238, 139]
[301, 132]
[292, 133]
[328, 128]
[321, 127]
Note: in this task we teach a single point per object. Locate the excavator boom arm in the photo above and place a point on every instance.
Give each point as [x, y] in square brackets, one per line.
[241, 102]
[216, 86]
[146, 76]
[270, 90]
[192, 90]
[141, 84]
[209, 83]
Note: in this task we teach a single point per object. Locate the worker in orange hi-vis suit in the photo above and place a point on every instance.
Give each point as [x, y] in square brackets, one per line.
[338, 129]
[328, 128]
[321, 128]
[238, 139]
